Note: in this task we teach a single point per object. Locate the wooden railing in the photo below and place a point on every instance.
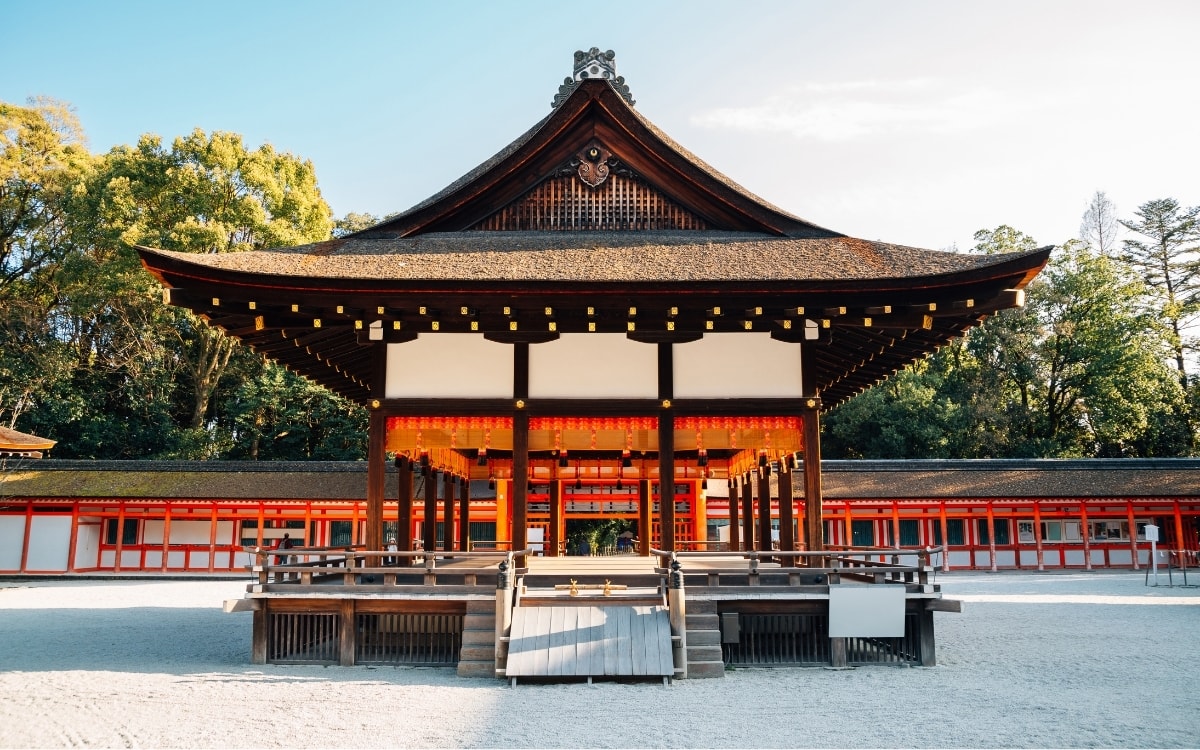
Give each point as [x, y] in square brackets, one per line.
[309, 565]
[852, 563]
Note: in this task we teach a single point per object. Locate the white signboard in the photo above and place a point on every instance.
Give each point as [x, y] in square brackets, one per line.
[869, 611]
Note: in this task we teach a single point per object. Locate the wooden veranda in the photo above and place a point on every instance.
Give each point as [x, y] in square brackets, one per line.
[598, 617]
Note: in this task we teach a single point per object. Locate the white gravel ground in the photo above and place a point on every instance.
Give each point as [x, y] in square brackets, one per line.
[1034, 660]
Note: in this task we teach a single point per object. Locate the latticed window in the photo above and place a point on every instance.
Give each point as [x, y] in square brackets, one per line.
[620, 203]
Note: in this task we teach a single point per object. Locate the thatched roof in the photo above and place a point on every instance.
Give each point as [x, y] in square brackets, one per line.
[15, 443]
[676, 240]
[677, 256]
[842, 480]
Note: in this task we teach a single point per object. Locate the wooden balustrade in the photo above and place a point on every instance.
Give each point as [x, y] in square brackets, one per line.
[348, 566]
[802, 567]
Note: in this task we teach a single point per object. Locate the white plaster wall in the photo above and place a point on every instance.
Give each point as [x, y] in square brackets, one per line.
[49, 543]
[449, 365]
[87, 544]
[593, 365]
[1120, 557]
[737, 365]
[12, 540]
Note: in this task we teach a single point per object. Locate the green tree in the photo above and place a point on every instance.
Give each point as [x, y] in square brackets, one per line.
[1103, 382]
[353, 222]
[1166, 259]
[277, 415]
[210, 194]
[43, 162]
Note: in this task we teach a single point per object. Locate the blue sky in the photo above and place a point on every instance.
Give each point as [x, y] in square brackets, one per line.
[910, 122]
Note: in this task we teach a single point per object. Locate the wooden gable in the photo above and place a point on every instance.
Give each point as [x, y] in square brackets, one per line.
[594, 153]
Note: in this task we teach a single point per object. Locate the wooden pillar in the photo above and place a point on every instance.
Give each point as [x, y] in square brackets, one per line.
[787, 529]
[72, 545]
[944, 526]
[814, 538]
[212, 542]
[349, 633]
[1180, 542]
[666, 478]
[735, 525]
[645, 518]
[520, 484]
[503, 514]
[1086, 532]
[448, 511]
[1133, 548]
[166, 541]
[991, 522]
[556, 514]
[258, 630]
[700, 513]
[464, 513]
[747, 512]
[925, 643]
[848, 524]
[404, 508]
[376, 473]
[429, 535]
[120, 549]
[1037, 534]
[764, 508]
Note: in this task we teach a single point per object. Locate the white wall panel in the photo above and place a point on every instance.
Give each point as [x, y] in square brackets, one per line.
[87, 544]
[49, 543]
[737, 365]
[593, 365]
[12, 540]
[449, 365]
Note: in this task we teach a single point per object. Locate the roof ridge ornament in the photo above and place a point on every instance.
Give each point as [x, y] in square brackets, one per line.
[593, 64]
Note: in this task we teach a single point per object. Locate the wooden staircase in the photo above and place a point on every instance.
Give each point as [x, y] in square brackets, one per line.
[478, 655]
[704, 659]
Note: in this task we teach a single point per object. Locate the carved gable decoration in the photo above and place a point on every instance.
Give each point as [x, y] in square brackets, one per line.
[593, 192]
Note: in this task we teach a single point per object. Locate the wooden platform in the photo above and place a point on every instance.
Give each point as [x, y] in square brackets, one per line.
[590, 641]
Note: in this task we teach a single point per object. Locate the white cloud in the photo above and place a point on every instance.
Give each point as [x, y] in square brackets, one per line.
[855, 109]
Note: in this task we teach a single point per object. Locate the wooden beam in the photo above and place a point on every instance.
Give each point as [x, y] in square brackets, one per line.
[464, 514]
[556, 514]
[429, 535]
[404, 532]
[735, 526]
[644, 517]
[814, 523]
[666, 478]
[747, 512]
[520, 482]
[448, 511]
[787, 531]
[764, 508]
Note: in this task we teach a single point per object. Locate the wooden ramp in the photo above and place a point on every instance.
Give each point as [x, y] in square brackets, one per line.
[586, 641]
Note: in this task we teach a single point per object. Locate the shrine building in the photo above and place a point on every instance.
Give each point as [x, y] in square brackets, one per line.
[595, 315]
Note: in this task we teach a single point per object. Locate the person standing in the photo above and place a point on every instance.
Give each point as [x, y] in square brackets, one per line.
[284, 543]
